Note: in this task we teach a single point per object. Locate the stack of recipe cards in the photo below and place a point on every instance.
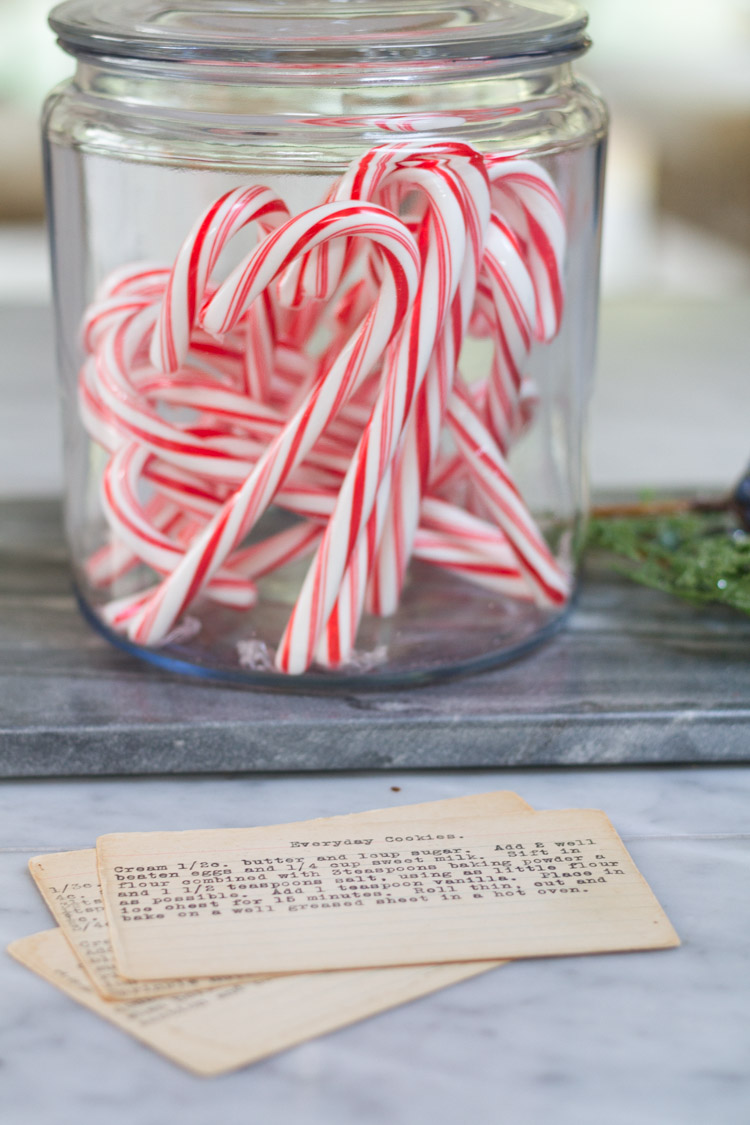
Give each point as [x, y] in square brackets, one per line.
[220, 947]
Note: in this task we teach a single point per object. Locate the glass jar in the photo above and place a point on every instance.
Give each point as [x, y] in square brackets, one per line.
[325, 284]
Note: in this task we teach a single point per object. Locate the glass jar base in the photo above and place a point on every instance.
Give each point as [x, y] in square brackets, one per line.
[443, 629]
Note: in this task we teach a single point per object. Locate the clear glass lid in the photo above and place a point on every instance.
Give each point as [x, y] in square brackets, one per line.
[323, 31]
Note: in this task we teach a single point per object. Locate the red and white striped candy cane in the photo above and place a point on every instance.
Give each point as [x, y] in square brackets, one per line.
[511, 309]
[527, 199]
[259, 422]
[423, 430]
[190, 493]
[335, 643]
[287, 450]
[318, 274]
[103, 316]
[109, 563]
[163, 521]
[395, 547]
[133, 528]
[196, 260]
[383, 549]
[143, 278]
[442, 247]
[253, 563]
[206, 448]
[116, 397]
[454, 556]
[260, 345]
[520, 292]
[489, 469]
[395, 518]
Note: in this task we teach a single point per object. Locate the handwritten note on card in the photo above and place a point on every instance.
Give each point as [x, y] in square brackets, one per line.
[373, 893]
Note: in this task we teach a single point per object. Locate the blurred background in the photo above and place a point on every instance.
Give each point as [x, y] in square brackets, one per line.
[670, 409]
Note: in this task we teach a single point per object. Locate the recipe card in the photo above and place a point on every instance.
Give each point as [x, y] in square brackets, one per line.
[69, 883]
[220, 1029]
[373, 893]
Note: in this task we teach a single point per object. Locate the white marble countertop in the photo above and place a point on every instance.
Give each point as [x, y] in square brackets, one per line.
[653, 1038]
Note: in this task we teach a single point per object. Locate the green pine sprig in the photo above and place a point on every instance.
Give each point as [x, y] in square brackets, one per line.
[700, 556]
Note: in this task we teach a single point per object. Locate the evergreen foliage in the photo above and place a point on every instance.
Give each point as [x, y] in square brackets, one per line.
[699, 556]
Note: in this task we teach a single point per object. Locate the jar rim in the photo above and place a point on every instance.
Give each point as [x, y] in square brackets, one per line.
[305, 34]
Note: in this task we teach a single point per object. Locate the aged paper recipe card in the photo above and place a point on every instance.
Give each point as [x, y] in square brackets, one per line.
[291, 898]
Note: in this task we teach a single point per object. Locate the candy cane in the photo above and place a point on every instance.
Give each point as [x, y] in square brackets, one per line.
[422, 434]
[254, 562]
[442, 245]
[285, 452]
[116, 559]
[528, 196]
[399, 523]
[455, 557]
[512, 309]
[334, 644]
[493, 477]
[203, 449]
[389, 535]
[195, 263]
[260, 344]
[514, 260]
[511, 312]
[206, 449]
[157, 549]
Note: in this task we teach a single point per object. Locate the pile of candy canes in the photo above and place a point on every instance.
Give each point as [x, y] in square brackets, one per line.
[321, 376]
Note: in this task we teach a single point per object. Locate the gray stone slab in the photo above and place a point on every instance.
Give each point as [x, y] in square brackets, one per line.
[636, 677]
